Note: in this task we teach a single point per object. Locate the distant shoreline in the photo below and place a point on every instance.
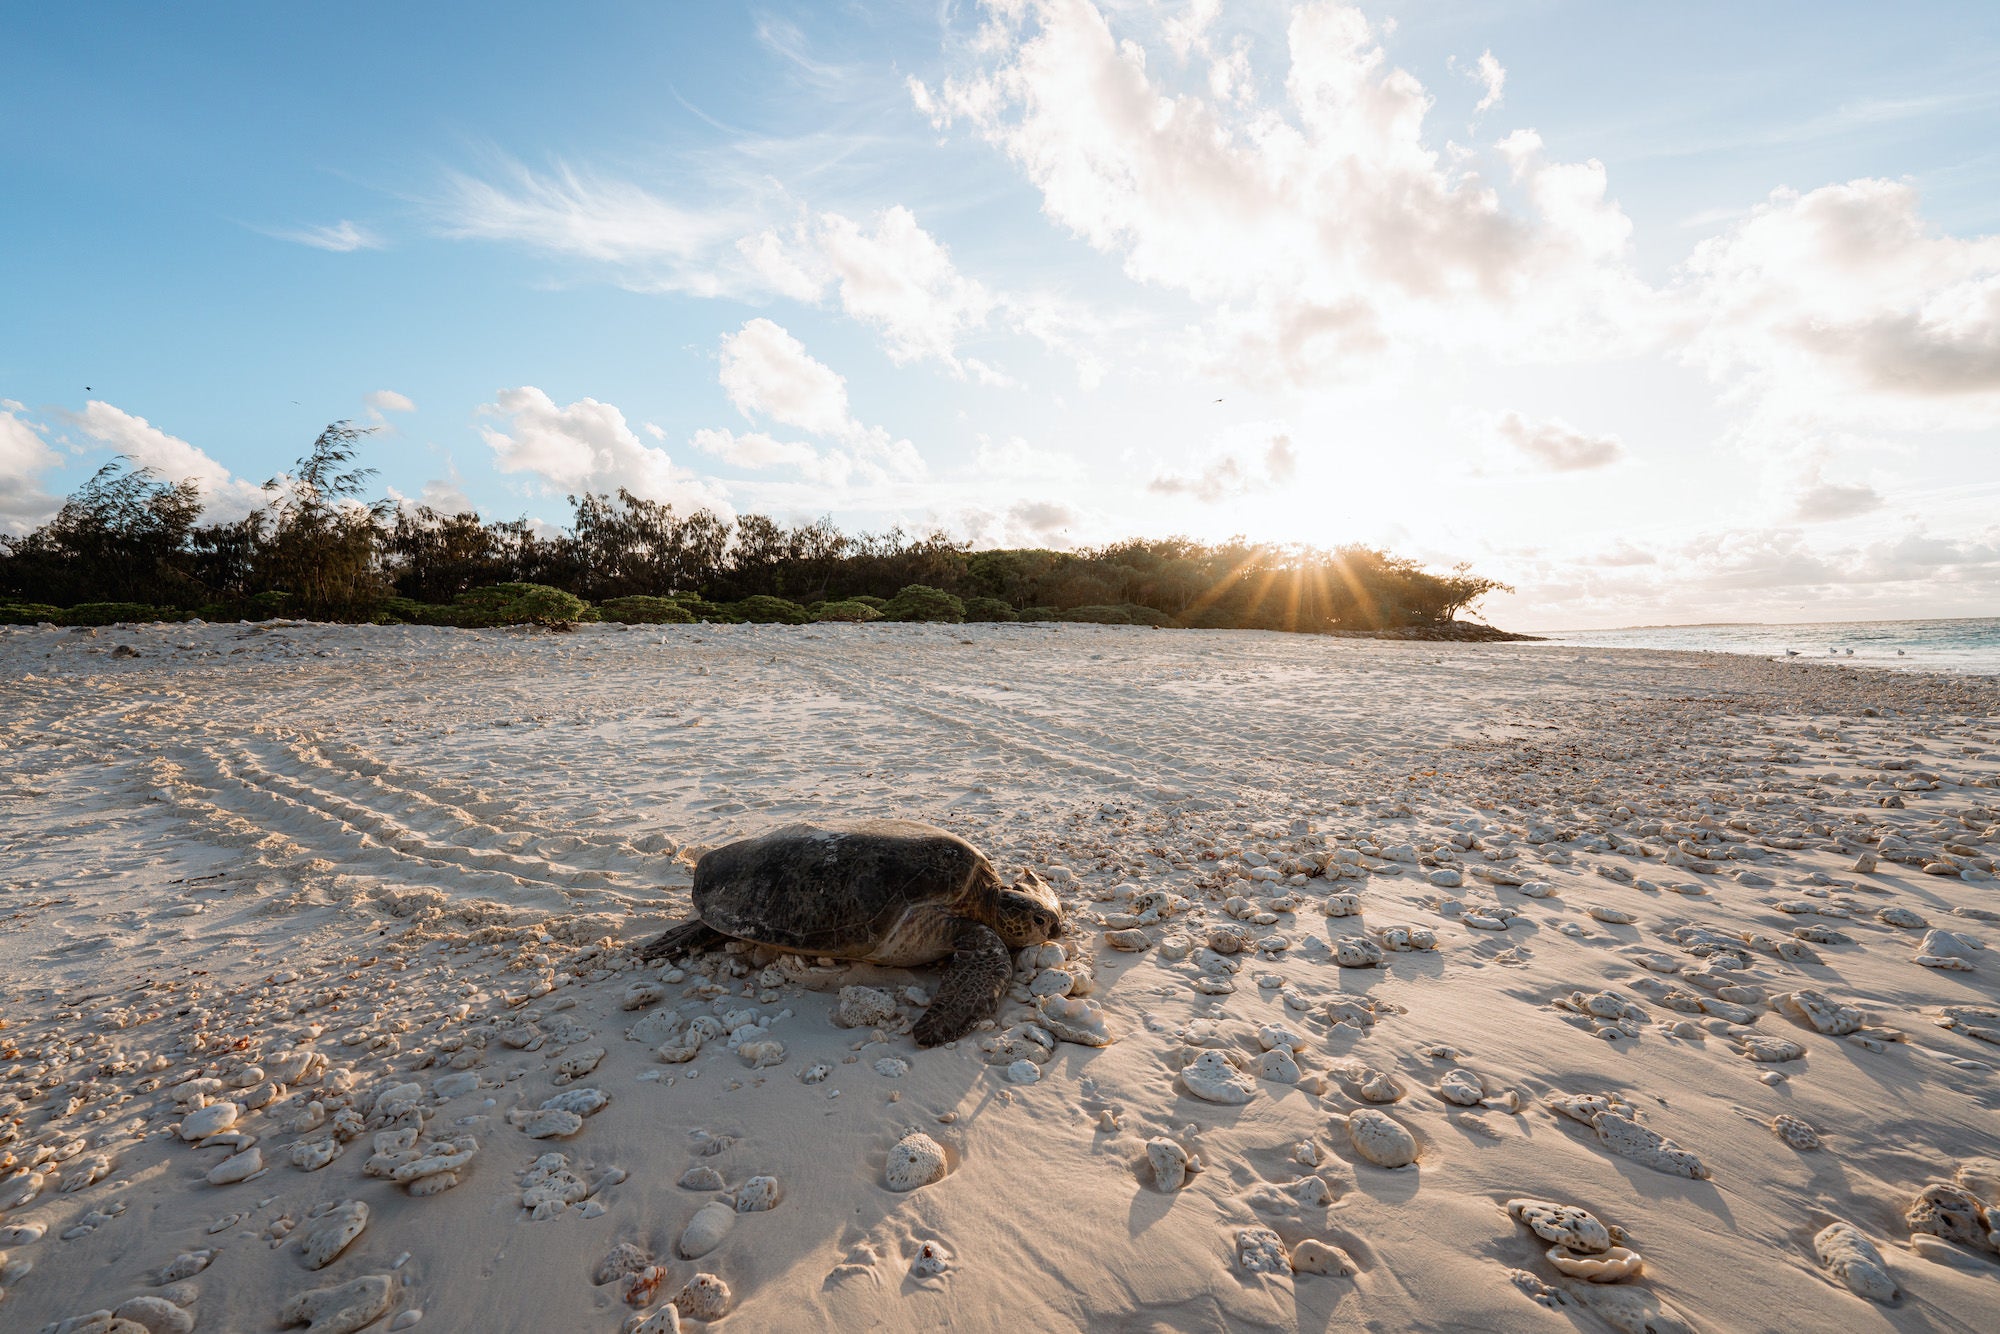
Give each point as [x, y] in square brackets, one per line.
[1774, 625]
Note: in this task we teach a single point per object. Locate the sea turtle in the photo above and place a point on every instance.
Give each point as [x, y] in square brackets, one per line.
[891, 892]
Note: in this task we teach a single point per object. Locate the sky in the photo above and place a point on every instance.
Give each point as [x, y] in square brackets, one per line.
[1658, 314]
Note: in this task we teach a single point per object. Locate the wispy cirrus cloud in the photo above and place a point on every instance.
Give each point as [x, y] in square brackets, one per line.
[657, 243]
[748, 240]
[340, 237]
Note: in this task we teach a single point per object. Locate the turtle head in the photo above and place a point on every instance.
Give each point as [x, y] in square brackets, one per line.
[1026, 912]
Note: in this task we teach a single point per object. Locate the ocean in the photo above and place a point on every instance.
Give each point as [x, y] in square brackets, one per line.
[1968, 645]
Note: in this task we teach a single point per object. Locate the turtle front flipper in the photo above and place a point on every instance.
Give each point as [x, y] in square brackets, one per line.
[681, 941]
[973, 982]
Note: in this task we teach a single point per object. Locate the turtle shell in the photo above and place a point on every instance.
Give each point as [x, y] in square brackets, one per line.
[837, 889]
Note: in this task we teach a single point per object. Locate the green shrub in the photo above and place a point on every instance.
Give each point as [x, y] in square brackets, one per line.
[921, 602]
[988, 609]
[703, 610]
[111, 613]
[514, 604]
[763, 609]
[641, 610]
[853, 609]
[1139, 614]
[1212, 618]
[29, 613]
[409, 611]
[266, 606]
[1037, 614]
[870, 600]
[257, 607]
[1099, 615]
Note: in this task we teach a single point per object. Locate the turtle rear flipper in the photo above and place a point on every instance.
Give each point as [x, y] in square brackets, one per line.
[973, 981]
[681, 941]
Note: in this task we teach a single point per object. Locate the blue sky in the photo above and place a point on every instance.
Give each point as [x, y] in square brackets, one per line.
[1685, 312]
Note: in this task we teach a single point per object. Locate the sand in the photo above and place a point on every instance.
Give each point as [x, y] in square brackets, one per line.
[309, 929]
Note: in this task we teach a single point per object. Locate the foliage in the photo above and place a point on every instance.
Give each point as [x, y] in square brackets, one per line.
[514, 604]
[853, 609]
[432, 558]
[316, 539]
[1130, 613]
[409, 611]
[115, 540]
[703, 610]
[318, 548]
[1096, 615]
[920, 602]
[763, 609]
[988, 609]
[625, 545]
[256, 607]
[639, 609]
[29, 613]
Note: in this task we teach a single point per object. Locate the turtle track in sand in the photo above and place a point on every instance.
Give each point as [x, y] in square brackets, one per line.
[299, 799]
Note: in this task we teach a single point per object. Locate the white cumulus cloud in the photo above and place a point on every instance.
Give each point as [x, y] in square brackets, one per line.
[1054, 524]
[1556, 445]
[388, 400]
[588, 446]
[1845, 302]
[1319, 227]
[1014, 459]
[1241, 471]
[1492, 77]
[24, 457]
[898, 278]
[768, 373]
[1822, 501]
[893, 276]
[224, 496]
[757, 451]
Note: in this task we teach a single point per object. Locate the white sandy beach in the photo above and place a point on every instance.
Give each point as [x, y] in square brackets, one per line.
[368, 893]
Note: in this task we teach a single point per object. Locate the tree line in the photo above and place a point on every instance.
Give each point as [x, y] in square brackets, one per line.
[131, 545]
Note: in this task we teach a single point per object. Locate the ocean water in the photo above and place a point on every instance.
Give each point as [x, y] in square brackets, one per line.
[1971, 645]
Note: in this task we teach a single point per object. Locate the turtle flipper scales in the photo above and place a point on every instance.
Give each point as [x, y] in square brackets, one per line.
[681, 941]
[974, 979]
